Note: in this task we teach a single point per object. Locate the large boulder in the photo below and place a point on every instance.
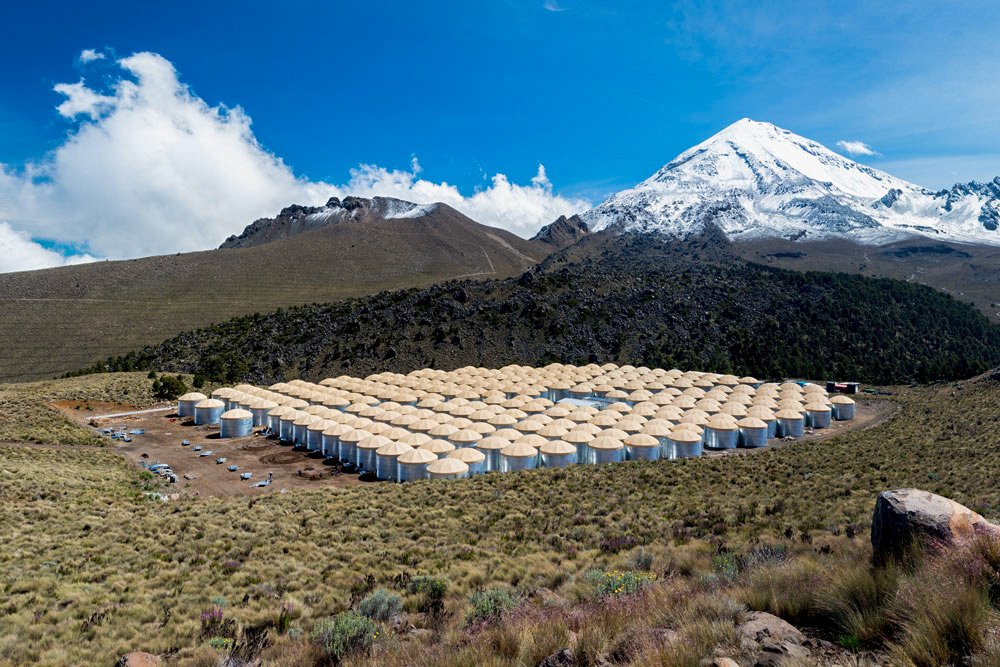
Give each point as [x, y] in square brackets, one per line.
[905, 515]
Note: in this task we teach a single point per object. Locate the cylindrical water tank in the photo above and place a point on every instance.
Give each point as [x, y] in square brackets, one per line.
[767, 416]
[349, 445]
[721, 433]
[605, 449]
[286, 429]
[753, 432]
[471, 457]
[447, 468]
[491, 448]
[686, 443]
[260, 407]
[790, 423]
[579, 439]
[518, 456]
[386, 458]
[300, 433]
[843, 408]
[366, 452]
[186, 403]
[818, 415]
[208, 411]
[412, 465]
[642, 447]
[274, 418]
[331, 439]
[235, 424]
[464, 438]
[557, 454]
[314, 434]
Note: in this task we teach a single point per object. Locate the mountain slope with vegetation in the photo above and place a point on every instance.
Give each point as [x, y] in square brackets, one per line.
[57, 320]
[636, 300]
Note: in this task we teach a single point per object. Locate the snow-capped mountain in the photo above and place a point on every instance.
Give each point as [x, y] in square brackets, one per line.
[757, 180]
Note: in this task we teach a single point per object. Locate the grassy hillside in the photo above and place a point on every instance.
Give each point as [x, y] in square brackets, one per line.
[633, 301]
[92, 570]
[967, 272]
[57, 320]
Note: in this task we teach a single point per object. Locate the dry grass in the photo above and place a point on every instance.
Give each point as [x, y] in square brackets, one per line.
[26, 413]
[90, 569]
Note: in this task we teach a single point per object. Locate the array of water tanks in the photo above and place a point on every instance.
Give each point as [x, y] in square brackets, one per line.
[437, 424]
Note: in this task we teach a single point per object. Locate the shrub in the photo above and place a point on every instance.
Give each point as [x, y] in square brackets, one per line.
[347, 632]
[381, 606]
[621, 583]
[168, 388]
[489, 605]
[641, 560]
[432, 587]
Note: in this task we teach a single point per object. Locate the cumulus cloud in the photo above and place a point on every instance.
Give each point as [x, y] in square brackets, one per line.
[553, 6]
[90, 55]
[857, 148]
[151, 168]
[18, 252]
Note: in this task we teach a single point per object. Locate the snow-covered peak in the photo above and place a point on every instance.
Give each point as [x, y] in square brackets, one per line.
[755, 179]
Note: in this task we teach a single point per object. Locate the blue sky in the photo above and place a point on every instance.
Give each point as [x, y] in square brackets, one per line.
[601, 94]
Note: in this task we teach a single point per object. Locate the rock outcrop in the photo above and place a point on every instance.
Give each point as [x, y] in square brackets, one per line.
[139, 659]
[905, 515]
[563, 232]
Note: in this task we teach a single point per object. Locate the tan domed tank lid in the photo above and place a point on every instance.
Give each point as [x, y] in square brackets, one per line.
[760, 412]
[751, 422]
[336, 430]
[467, 455]
[841, 400]
[687, 426]
[789, 414]
[418, 455]
[685, 436]
[305, 419]
[641, 440]
[721, 422]
[392, 448]
[491, 443]
[734, 409]
[355, 435]
[373, 442]
[658, 428]
[606, 442]
[532, 439]
[237, 414]
[749, 380]
[465, 436]
[557, 448]
[519, 450]
[447, 466]
[208, 403]
[442, 431]
[816, 406]
[280, 411]
[221, 392]
[578, 437]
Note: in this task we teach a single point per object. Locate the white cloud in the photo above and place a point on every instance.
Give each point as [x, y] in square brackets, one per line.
[90, 55]
[553, 6]
[81, 100]
[19, 253]
[151, 168]
[857, 148]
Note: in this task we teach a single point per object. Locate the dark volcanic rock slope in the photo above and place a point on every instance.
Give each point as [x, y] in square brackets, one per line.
[636, 301]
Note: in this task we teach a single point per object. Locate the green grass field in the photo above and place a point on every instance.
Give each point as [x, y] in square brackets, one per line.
[92, 568]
